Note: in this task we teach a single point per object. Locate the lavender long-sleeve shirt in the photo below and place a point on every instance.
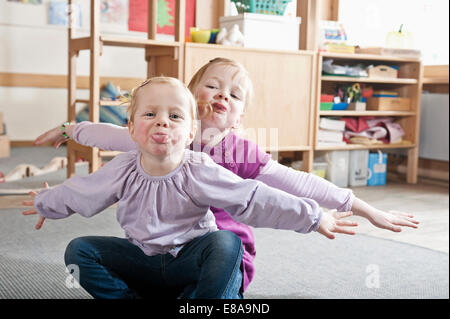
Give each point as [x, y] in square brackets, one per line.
[246, 160]
[159, 214]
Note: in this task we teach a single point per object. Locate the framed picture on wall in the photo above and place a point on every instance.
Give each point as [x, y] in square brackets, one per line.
[137, 20]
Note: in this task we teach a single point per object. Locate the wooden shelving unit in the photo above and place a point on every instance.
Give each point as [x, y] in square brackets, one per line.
[162, 58]
[408, 84]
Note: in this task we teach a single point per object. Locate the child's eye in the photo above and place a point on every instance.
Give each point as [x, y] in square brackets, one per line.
[234, 96]
[175, 116]
[211, 87]
[149, 114]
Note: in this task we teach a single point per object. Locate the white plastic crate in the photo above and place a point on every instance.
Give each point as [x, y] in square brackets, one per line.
[337, 171]
[358, 169]
[263, 31]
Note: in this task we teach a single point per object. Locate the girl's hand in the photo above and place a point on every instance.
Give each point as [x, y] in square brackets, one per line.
[33, 211]
[331, 223]
[55, 136]
[392, 220]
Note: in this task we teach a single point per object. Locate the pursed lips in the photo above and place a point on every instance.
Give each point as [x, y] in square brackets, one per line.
[218, 107]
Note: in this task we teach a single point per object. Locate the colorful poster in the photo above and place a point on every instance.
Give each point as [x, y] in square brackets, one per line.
[27, 1]
[58, 14]
[114, 11]
[137, 20]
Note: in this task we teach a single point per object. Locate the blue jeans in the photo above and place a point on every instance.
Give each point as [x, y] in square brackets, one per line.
[206, 267]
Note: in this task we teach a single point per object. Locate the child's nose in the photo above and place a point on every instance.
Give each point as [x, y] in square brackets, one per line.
[223, 96]
[162, 121]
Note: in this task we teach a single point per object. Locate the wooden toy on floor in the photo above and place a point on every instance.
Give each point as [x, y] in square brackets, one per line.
[27, 170]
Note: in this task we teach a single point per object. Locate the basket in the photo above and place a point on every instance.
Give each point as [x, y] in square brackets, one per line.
[275, 7]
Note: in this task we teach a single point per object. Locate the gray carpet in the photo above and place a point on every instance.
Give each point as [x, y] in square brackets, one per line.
[288, 265]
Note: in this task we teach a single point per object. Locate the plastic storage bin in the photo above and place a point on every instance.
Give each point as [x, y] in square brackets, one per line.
[358, 168]
[320, 169]
[276, 7]
[377, 169]
[264, 31]
[337, 171]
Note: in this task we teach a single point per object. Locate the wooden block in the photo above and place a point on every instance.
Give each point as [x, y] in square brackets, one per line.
[5, 149]
[388, 103]
[357, 106]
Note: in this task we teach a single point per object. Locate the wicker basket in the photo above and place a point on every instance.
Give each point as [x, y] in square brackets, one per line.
[275, 7]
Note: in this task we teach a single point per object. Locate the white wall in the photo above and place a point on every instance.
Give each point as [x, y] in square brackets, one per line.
[28, 44]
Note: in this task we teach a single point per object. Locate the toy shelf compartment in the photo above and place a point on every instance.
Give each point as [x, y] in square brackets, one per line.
[274, 7]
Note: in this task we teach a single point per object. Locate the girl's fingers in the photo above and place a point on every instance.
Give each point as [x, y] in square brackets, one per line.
[342, 230]
[404, 223]
[346, 223]
[398, 213]
[40, 222]
[45, 184]
[28, 203]
[329, 234]
[29, 212]
[32, 193]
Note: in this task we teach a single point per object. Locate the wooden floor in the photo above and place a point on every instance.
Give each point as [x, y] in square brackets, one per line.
[429, 203]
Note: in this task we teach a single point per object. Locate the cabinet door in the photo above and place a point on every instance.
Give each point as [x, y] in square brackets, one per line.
[280, 112]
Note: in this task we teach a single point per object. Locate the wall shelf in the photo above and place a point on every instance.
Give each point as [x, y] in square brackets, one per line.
[408, 85]
[368, 80]
[367, 113]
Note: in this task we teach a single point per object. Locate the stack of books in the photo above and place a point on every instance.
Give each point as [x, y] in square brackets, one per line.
[331, 132]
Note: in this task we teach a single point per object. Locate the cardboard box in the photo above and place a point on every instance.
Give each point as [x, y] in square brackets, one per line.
[266, 31]
[357, 106]
[5, 149]
[388, 103]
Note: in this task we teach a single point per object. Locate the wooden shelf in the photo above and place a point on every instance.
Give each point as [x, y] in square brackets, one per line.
[367, 113]
[367, 80]
[105, 103]
[134, 42]
[108, 153]
[367, 57]
[408, 85]
[362, 147]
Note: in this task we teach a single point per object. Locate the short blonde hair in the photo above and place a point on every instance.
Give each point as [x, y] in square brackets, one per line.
[131, 110]
[193, 84]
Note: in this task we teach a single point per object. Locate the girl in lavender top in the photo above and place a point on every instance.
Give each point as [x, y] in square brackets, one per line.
[223, 90]
[164, 192]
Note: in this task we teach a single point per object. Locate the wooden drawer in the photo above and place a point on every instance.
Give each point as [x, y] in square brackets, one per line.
[388, 103]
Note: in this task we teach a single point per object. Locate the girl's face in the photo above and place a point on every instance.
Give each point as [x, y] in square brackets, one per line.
[224, 88]
[162, 124]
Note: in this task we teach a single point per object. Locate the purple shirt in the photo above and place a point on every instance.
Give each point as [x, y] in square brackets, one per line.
[160, 214]
[243, 158]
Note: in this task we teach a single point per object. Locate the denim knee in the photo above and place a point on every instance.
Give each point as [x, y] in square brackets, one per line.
[75, 250]
[226, 242]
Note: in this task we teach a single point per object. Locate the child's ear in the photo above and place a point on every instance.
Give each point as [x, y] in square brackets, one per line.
[192, 135]
[131, 130]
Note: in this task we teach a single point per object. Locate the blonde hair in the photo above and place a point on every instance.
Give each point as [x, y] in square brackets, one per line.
[131, 110]
[193, 84]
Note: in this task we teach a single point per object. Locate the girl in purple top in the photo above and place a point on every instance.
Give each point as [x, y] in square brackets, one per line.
[223, 89]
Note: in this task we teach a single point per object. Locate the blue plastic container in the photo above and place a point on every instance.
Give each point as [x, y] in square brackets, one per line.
[340, 106]
[377, 169]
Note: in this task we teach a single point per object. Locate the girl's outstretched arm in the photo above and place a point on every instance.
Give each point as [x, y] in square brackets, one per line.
[328, 195]
[105, 136]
